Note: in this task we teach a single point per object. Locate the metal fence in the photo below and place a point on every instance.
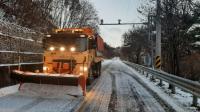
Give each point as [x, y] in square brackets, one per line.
[19, 45]
[187, 85]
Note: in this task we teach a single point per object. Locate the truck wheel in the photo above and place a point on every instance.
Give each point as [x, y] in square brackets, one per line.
[90, 77]
[99, 68]
[96, 71]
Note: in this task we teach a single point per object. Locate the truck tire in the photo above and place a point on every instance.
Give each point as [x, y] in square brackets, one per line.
[99, 68]
[90, 77]
[95, 70]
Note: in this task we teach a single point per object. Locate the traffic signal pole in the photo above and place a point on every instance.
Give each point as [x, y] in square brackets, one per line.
[119, 23]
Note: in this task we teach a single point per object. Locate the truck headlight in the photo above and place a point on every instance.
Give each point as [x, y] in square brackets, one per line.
[45, 68]
[83, 68]
[72, 49]
[52, 48]
[62, 48]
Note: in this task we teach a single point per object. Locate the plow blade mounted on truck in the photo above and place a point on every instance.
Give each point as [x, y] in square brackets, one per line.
[45, 78]
[42, 78]
[72, 56]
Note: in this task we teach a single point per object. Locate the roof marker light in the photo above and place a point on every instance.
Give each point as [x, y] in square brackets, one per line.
[82, 35]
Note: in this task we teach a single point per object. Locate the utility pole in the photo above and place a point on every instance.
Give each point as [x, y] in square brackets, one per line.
[158, 37]
[150, 38]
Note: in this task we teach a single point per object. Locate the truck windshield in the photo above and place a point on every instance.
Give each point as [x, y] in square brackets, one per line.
[80, 43]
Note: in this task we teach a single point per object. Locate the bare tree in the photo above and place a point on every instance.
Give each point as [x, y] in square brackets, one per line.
[136, 42]
[43, 15]
[176, 18]
[85, 15]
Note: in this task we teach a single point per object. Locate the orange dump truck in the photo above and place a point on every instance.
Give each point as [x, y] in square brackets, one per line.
[72, 56]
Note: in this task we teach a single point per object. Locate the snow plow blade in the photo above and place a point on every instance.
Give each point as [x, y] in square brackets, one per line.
[46, 78]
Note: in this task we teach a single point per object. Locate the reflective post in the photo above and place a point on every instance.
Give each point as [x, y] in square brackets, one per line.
[194, 101]
[173, 89]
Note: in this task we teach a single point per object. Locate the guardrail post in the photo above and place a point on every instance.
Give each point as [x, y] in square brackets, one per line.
[161, 83]
[147, 75]
[194, 100]
[142, 72]
[173, 89]
[152, 78]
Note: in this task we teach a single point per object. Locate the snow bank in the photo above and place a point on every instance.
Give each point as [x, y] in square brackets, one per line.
[40, 98]
[181, 97]
[49, 91]
[42, 90]
[9, 90]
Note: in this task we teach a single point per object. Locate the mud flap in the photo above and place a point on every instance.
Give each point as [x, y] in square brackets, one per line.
[20, 85]
[82, 83]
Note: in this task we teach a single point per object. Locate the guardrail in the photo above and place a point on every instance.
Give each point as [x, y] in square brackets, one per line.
[185, 84]
[19, 64]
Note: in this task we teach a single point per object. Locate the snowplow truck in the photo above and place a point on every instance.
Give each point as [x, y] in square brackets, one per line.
[72, 56]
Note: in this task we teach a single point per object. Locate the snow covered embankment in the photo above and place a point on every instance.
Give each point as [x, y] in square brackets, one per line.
[181, 101]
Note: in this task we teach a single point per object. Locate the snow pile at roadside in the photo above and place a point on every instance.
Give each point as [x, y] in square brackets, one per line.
[42, 90]
[181, 101]
[9, 90]
[49, 91]
[40, 98]
[181, 97]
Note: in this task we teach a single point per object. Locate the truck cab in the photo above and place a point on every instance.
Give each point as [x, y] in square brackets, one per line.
[73, 52]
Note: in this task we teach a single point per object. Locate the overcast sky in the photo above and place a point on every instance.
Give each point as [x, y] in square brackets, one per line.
[112, 10]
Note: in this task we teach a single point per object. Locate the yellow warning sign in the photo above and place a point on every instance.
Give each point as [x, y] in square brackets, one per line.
[158, 62]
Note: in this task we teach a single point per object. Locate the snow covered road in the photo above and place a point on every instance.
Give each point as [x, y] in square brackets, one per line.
[117, 90]
[40, 98]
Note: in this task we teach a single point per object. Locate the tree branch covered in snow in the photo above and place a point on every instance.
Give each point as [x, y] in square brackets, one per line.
[14, 30]
[44, 15]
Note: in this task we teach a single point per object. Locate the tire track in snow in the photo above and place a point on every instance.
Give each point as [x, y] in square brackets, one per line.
[96, 98]
[113, 98]
[129, 99]
[135, 94]
[130, 91]
[165, 106]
